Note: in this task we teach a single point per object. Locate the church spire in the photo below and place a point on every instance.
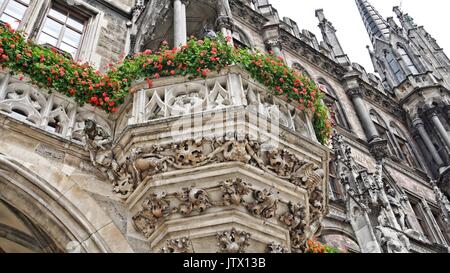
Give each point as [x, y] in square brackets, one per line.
[375, 24]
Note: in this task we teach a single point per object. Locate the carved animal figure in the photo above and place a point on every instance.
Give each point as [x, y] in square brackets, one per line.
[265, 204]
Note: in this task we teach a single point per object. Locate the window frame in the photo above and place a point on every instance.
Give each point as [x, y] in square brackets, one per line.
[5, 5]
[384, 132]
[68, 11]
[331, 98]
[409, 63]
[391, 60]
[87, 53]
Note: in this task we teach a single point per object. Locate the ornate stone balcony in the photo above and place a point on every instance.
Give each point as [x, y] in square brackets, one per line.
[216, 164]
[53, 113]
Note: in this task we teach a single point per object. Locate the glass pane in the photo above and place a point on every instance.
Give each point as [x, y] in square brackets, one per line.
[70, 49]
[15, 10]
[10, 20]
[71, 37]
[47, 39]
[57, 15]
[76, 24]
[52, 27]
[1, 2]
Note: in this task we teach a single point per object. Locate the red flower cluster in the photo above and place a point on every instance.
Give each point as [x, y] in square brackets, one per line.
[51, 69]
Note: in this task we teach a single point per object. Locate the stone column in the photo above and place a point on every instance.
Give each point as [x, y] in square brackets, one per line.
[225, 24]
[179, 23]
[440, 128]
[420, 127]
[363, 114]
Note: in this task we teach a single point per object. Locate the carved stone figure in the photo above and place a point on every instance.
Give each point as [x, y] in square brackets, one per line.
[236, 150]
[180, 245]
[195, 153]
[97, 143]
[275, 248]
[124, 186]
[193, 200]
[316, 199]
[154, 208]
[444, 205]
[265, 204]
[295, 219]
[233, 192]
[281, 162]
[391, 240]
[309, 176]
[397, 207]
[233, 242]
[141, 166]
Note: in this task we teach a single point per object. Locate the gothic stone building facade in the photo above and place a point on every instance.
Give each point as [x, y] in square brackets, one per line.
[76, 179]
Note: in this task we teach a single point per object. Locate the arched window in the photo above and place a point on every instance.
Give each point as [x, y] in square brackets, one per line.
[394, 66]
[332, 101]
[404, 148]
[407, 60]
[301, 69]
[241, 39]
[383, 132]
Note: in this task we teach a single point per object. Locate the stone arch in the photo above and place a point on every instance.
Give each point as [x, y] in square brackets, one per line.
[334, 103]
[65, 223]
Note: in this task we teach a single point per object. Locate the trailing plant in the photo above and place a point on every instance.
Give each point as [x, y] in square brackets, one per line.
[48, 68]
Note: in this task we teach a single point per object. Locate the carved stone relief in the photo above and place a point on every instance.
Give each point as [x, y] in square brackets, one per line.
[233, 241]
[142, 163]
[275, 248]
[180, 245]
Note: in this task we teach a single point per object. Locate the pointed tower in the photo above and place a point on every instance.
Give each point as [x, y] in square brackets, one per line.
[431, 52]
[406, 60]
[331, 39]
[376, 25]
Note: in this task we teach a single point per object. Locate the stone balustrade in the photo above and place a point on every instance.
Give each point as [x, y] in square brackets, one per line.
[179, 96]
[50, 112]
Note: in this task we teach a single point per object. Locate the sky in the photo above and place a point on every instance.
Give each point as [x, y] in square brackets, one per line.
[344, 15]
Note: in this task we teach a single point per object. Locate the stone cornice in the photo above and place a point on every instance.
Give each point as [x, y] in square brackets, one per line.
[381, 100]
[118, 8]
[245, 13]
[312, 55]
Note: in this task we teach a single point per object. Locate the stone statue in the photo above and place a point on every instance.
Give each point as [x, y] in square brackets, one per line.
[391, 240]
[444, 204]
[397, 207]
[97, 143]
